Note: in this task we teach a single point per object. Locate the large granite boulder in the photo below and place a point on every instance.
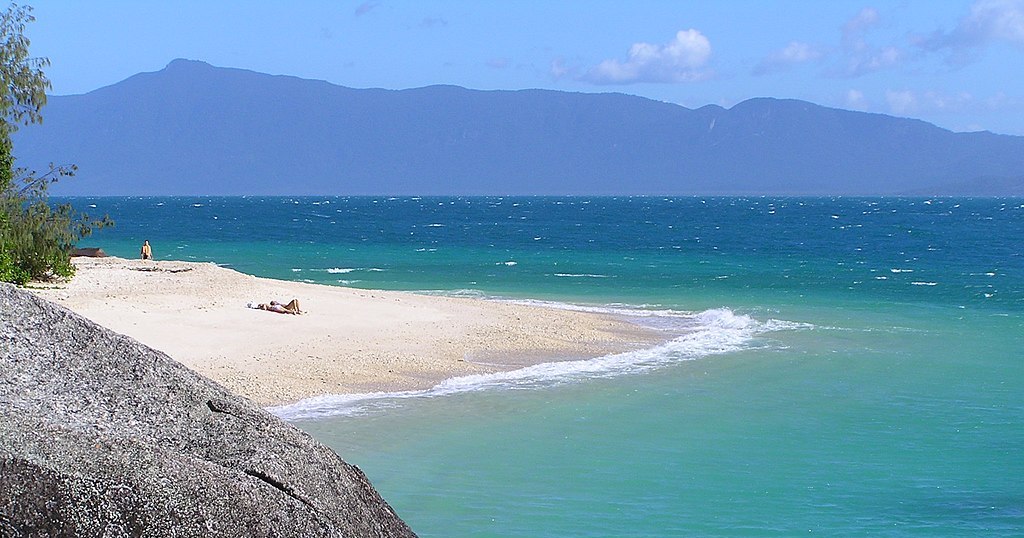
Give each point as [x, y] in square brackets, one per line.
[103, 436]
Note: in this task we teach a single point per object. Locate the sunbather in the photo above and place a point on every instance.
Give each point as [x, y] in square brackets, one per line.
[273, 306]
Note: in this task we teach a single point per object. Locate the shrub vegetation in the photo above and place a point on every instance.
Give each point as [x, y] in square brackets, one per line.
[36, 238]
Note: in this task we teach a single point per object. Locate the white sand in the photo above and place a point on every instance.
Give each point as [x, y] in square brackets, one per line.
[349, 340]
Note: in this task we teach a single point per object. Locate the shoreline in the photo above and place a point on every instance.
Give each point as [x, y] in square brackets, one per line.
[349, 341]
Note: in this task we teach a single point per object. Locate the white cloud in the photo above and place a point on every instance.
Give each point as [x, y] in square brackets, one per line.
[681, 60]
[872, 60]
[560, 69]
[854, 29]
[855, 100]
[988, 21]
[904, 102]
[1001, 101]
[946, 102]
[797, 52]
[861, 57]
[995, 19]
[854, 57]
[933, 105]
[794, 53]
[901, 102]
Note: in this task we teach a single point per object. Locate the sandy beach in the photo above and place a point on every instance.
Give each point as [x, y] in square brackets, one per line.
[348, 341]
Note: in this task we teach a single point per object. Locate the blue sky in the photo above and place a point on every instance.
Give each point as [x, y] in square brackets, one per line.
[956, 63]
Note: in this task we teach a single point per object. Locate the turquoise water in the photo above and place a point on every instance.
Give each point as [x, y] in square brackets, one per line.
[843, 367]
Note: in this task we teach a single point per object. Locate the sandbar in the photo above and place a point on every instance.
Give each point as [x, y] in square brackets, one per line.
[348, 340]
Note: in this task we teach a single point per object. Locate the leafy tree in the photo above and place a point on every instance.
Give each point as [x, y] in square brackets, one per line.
[36, 239]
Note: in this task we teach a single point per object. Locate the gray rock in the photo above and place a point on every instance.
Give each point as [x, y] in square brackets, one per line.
[103, 436]
[89, 252]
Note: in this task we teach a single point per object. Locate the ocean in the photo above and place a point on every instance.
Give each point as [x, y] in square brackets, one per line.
[838, 366]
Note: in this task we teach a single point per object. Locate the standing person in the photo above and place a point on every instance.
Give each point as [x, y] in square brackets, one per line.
[147, 251]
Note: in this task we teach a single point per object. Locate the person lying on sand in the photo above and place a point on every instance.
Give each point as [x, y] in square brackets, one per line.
[273, 306]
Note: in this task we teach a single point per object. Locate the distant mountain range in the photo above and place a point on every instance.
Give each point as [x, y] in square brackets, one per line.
[192, 128]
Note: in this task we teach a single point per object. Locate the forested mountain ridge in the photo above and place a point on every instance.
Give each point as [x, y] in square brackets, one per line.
[192, 128]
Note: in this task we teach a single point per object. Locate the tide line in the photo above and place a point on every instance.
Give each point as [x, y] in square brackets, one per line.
[713, 332]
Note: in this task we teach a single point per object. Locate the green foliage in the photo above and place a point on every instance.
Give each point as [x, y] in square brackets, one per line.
[36, 239]
[22, 77]
[10, 272]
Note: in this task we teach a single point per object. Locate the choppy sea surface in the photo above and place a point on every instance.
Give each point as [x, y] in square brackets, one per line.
[836, 366]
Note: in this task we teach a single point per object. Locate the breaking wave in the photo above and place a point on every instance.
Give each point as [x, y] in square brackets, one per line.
[699, 335]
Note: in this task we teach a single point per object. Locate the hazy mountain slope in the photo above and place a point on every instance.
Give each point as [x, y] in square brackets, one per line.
[196, 129]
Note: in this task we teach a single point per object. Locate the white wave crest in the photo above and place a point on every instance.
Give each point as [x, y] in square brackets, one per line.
[471, 293]
[345, 270]
[612, 309]
[712, 332]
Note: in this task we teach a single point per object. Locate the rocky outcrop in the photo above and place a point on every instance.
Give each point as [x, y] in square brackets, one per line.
[89, 252]
[103, 436]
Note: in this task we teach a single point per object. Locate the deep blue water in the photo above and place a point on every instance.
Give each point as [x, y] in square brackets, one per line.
[849, 366]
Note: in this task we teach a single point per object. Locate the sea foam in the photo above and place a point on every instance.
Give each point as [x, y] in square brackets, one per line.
[707, 333]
